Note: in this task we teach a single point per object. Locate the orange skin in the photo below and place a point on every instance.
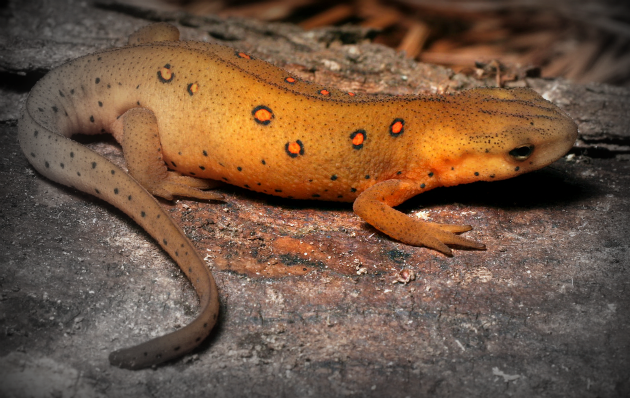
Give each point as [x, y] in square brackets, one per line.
[209, 113]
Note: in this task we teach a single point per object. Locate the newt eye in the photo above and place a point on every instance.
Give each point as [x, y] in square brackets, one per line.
[522, 152]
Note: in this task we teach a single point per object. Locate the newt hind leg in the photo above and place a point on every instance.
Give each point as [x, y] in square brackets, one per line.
[374, 205]
[143, 154]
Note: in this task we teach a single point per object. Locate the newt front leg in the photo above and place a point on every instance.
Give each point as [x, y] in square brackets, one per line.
[375, 206]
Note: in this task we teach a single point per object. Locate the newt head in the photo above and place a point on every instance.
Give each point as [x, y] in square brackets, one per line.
[494, 134]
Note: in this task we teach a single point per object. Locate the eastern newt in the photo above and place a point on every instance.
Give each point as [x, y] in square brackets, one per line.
[190, 113]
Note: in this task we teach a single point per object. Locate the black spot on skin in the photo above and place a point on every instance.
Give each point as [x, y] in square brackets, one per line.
[137, 87]
[315, 195]
[72, 91]
[399, 173]
[333, 177]
[176, 348]
[452, 168]
[93, 165]
[422, 186]
[143, 214]
[239, 168]
[61, 94]
[173, 163]
[202, 168]
[491, 175]
[278, 190]
[35, 133]
[263, 161]
[116, 191]
[32, 154]
[205, 325]
[225, 179]
[165, 242]
[353, 189]
[98, 80]
[339, 196]
[97, 191]
[79, 173]
[92, 119]
[246, 186]
[476, 174]
[100, 104]
[138, 102]
[62, 165]
[258, 183]
[517, 168]
[71, 154]
[431, 174]
[113, 172]
[367, 177]
[40, 109]
[205, 153]
[47, 165]
[98, 59]
[129, 197]
[192, 174]
[55, 109]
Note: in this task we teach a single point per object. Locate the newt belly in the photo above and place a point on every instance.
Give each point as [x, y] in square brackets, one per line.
[188, 114]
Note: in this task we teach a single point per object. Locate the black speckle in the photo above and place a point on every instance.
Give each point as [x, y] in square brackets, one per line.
[62, 165]
[476, 173]
[32, 154]
[225, 179]
[315, 195]
[40, 109]
[35, 133]
[517, 168]
[61, 94]
[98, 80]
[367, 177]
[165, 242]
[491, 175]
[47, 165]
[278, 190]
[333, 177]
[79, 173]
[239, 168]
[263, 161]
[93, 165]
[138, 102]
[97, 191]
[72, 91]
[129, 197]
[113, 172]
[422, 186]
[71, 154]
[143, 214]
[55, 109]
[116, 191]
[202, 168]
[246, 186]
[205, 153]
[339, 196]
[353, 189]
[399, 173]
[100, 104]
[92, 118]
[431, 174]
[173, 163]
